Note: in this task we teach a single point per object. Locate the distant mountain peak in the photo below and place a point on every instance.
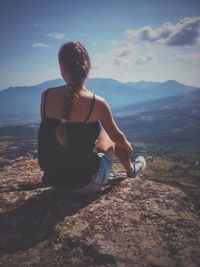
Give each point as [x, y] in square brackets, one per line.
[26, 99]
[172, 82]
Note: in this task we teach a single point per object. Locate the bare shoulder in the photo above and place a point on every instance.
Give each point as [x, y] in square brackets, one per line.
[103, 111]
[101, 103]
[54, 91]
[57, 90]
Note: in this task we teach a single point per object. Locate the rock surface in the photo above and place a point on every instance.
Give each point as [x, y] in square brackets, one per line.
[130, 223]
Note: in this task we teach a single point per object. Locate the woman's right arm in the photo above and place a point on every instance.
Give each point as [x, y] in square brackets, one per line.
[111, 128]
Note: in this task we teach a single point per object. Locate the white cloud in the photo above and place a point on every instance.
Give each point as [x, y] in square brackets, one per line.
[37, 25]
[114, 42]
[56, 35]
[192, 57]
[185, 32]
[145, 61]
[120, 62]
[142, 59]
[40, 45]
[128, 56]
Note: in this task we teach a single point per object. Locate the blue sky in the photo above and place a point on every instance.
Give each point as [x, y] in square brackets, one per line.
[128, 40]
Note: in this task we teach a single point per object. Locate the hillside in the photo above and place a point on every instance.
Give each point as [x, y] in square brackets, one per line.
[172, 126]
[23, 100]
[191, 99]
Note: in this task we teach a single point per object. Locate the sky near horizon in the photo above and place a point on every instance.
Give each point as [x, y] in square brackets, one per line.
[128, 40]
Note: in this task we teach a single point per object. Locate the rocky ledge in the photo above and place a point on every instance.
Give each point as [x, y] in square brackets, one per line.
[130, 223]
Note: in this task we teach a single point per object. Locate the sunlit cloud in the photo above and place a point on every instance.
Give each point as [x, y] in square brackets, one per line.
[56, 35]
[39, 45]
[142, 59]
[185, 32]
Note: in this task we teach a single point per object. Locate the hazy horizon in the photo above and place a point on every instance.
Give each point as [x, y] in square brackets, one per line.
[128, 41]
[60, 78]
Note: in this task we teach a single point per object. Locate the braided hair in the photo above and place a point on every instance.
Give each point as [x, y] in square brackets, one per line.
[75, 59]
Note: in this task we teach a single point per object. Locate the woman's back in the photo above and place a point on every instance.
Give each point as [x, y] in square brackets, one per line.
[74, 163]
[52, 105]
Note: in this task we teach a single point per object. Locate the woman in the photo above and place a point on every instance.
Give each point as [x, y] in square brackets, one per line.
[78, 135]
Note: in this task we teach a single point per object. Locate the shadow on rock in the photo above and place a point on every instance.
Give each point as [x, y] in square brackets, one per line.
[33, 222]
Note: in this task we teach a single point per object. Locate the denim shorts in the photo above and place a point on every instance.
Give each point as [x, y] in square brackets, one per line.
[99, 179]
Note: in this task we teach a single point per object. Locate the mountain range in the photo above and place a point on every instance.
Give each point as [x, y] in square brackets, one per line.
[24, 101]
[179, 102]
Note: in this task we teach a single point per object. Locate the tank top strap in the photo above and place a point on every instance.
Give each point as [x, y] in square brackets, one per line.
[44, 103]
[91, 109]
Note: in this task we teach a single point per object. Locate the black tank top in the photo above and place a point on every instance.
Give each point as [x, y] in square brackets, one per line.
[74, 165]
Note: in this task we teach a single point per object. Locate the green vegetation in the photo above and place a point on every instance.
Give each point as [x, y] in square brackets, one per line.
[177, 166]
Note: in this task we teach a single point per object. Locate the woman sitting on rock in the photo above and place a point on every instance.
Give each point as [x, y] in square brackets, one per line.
[78, 135]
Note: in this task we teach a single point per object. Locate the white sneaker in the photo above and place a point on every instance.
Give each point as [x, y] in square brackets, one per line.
[139, 166]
